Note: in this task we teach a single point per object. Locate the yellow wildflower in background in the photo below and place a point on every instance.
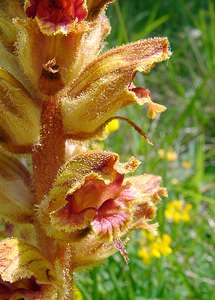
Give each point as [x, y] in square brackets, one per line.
[161, 153]
[175, 181]
[178, 211]
[168, 155]
[112, 126]
[154, 246]
[77, 294]
[186, 165]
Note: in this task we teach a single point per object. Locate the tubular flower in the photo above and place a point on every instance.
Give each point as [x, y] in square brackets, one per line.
[63, 206]
[91, 197]
[112, 73]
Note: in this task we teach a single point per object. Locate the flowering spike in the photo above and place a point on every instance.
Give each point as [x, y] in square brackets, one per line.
[54, 86]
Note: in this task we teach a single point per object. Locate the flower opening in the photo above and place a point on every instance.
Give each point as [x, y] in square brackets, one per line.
[56, 13]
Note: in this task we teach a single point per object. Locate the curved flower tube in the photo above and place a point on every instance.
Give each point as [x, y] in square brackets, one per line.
[105, 86]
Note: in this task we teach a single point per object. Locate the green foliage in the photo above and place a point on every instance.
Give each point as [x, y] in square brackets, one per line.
[185, 86]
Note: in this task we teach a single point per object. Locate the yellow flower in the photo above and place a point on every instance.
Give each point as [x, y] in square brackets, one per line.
[161, 153]
[178, 211]
[171, 156]
[168, 155]
[154, 246]
[186, 165]
[175, 181]
[77, 294]
[112, 126]
[164, 244]
[145, 255]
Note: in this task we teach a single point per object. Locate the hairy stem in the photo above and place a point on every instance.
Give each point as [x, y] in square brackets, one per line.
[48, 155]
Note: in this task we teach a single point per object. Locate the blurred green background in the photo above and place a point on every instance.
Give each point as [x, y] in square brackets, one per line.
[183, 154]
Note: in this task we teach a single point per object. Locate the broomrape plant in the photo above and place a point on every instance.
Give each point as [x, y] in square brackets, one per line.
[70, 207]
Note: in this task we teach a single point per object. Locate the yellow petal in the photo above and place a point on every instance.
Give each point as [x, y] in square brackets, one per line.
[19, 115]
[16, 197]
[103, 87]
[171, 155]
[112, 126]
[145, 255]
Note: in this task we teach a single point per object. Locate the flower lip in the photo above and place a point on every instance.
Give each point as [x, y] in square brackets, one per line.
[57, 11]
[93, 194]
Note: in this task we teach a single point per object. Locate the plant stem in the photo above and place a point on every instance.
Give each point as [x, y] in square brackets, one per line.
[48, 155]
